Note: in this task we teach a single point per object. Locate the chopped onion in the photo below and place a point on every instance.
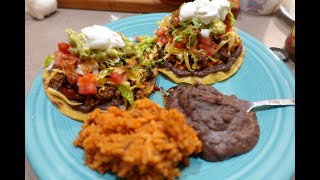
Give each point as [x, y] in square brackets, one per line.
[79, 70]
[94, 66]
[117, 59]
[50, 65]
[205, 33]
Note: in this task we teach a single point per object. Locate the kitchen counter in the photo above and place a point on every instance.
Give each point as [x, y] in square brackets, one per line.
[41, 37]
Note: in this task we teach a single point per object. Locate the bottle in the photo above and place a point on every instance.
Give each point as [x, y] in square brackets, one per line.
[290, 44]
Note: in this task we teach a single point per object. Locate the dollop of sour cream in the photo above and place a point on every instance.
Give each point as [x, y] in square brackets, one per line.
[101, 37]
[205, 10]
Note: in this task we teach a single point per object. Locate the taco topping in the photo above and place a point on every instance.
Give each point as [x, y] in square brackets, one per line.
[198, 39]
[100, 37]
[98, 68]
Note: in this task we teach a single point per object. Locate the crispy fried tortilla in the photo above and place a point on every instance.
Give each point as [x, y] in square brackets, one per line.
[57, 99]
[208, 79]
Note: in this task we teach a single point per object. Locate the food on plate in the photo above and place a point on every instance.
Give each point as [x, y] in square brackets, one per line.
[148, 142]
[96, 68]
[199, 43]
[222, 123]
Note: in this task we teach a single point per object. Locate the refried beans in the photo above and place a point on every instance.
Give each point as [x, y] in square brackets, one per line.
[223, 126]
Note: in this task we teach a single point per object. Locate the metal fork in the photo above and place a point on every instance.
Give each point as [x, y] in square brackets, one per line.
[271, 102]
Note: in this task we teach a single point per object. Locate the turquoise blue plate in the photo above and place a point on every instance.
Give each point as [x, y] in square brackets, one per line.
[49, 134]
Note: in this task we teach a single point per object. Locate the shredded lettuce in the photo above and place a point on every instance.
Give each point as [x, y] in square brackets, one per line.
[195, 60]
[126, 92]
[178, 38]
[175, 33]
[231, 5]
[187, 32]
[194, 23]
[134, 74]
[105, 72]
[186, 23]
[47, 60]
[192, 40]
[148, 68]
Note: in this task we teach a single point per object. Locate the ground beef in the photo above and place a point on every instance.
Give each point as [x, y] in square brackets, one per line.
[110, 96]
[58, 81]
[72, 93]
[224, 55]
[109, 92]
[139, 94]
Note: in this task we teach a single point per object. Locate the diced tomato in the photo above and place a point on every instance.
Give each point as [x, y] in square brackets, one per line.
[171, 40]
[138, 39]
[206, 41]
[116, 77]
[181, 44]
[161, 32]
[87, 84]
[63, 47]
[156, 88]
[209, 49]
[208, 45]
[73, 77]
[91, 62]
[175, 19]
[175, 13]
[62, 59]
[201, 46]
[57, 58]
[67, 62]
[162, 39]
[227, 23]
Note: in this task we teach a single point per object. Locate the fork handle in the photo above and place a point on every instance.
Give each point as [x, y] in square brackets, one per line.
[275, 102]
